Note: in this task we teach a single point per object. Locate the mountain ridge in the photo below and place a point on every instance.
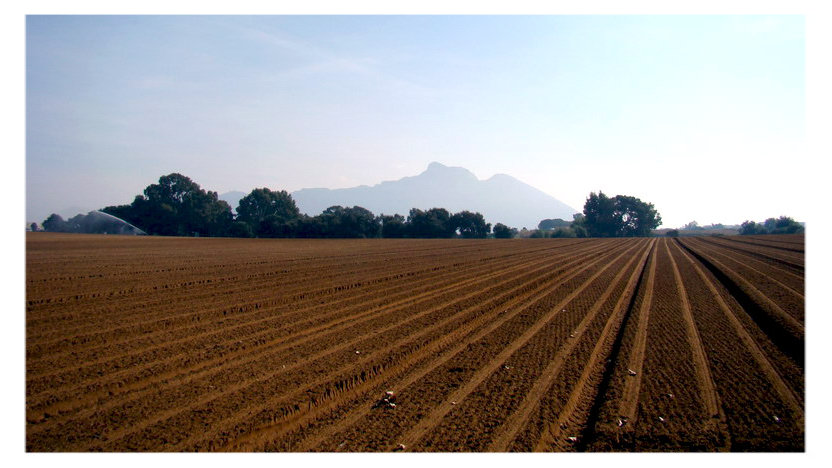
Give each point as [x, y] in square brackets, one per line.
[501, 198]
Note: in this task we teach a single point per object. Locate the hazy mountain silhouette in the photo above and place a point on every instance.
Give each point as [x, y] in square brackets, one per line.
[501, 199]
[232, 198]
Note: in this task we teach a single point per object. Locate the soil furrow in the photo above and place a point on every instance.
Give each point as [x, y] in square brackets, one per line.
[159, 417]
[204, 368]
[508, 431]
[703, 370]
[427, 423]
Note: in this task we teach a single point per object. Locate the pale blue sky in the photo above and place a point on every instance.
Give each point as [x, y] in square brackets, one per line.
[701, 115]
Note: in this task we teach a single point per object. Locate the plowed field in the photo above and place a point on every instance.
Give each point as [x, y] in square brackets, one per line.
[180, 344]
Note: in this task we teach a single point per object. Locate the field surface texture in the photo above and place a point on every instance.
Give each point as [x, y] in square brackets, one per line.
[181, 344]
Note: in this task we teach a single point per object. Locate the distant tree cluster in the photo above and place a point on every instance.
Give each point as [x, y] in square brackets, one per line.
[501, 231]
[620, 216]
[781, 225]
[177, 206]
[550, 224]
[91, 223]
[695, 227]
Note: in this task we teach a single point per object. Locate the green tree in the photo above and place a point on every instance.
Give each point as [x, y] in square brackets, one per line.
[599, 216]
[621, 216]
[470, 225]
[549, 224]
[563, 232]
[579, 225]
[781, 225]
[786, 225]
[350, 222]
[268, 212]
[501, 231]
[54, 223]
[176, 206]
[751, 228]
[433, 223]
[634, 217]
[393, 226]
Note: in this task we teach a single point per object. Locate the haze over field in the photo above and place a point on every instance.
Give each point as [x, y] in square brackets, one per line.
[700, 115]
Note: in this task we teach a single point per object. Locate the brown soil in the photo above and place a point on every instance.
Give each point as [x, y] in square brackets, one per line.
[173, 344]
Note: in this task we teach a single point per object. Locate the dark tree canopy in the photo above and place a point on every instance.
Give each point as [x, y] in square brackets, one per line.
[350, 222]
[54, 223]
[501, 231]
[268, 212]
[782, 225]
[470, 225]
[634, 217]
[393, 226]
[621, 216]
[93, 222]
[548, 224]
[433, 223]
[176, 206]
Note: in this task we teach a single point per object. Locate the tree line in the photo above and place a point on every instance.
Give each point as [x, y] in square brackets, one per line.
[619, 216]
[178, 206]
[781, 225]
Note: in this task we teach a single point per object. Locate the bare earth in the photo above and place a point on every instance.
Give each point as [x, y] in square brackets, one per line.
[181, 344]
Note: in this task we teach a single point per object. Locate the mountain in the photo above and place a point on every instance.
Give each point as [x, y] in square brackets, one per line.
[232, 198]
[500, 199]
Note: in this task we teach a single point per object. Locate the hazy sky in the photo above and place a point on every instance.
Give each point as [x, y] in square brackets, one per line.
[701, 115]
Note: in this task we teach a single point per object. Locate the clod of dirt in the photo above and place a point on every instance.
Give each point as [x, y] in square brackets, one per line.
[387, 401]
[399, 448]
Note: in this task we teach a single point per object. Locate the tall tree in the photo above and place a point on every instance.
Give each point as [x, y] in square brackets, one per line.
[433, 223]
[599, 215]
[621, 216]
[176, 206]
[393, 226]
[54, 223]
[350, 222]
[634, 217]
[470, 225]
[268, 212]
[548, 224]
[501, 231]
